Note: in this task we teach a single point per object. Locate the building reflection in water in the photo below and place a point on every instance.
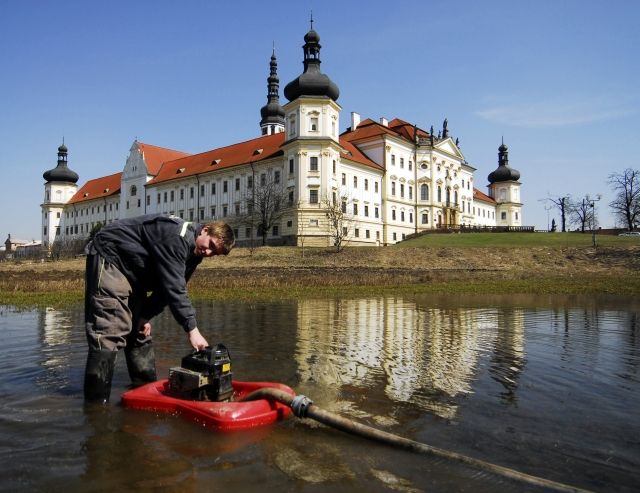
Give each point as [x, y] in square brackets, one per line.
[419, 354]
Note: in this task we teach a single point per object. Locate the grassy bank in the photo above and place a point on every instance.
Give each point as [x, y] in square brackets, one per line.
[454, 264]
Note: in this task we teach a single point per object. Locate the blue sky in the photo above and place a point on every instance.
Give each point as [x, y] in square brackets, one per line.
[559, 79]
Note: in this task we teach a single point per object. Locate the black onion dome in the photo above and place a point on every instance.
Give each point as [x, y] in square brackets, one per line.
[272, 112]
[312, 82]
[61, 172]
[504, 172]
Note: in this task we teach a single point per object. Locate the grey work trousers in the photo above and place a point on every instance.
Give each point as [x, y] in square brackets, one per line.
[112, 308]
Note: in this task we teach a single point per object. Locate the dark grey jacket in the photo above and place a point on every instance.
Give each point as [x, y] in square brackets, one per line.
[155, 253]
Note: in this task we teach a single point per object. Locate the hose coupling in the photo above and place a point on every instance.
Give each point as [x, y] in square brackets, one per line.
[300, 405]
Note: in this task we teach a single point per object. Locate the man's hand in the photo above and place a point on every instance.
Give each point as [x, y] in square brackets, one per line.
[197, 341]
[144, 327]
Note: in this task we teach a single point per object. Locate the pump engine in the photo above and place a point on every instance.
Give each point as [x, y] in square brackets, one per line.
[204, 375]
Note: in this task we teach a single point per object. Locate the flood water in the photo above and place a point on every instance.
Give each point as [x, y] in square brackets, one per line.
[547, 386]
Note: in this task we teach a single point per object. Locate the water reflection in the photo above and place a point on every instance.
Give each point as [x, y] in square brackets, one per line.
[525, 382]
[423, 355]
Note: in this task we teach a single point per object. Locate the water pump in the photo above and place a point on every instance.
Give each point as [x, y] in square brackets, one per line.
[203, 375]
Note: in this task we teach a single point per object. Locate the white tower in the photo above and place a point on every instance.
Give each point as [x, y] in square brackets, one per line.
[504, 188]
[60, 186]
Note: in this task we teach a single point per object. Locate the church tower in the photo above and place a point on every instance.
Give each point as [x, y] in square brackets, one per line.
[60, 186]
[504, 188]
[312, 146]
[272, 114]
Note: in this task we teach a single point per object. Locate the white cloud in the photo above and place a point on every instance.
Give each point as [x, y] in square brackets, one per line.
[559, 113]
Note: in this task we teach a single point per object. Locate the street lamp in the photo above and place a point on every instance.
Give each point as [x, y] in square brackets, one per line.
[592, 203]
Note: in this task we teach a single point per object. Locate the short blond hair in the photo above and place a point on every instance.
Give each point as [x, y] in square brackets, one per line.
[222, 230]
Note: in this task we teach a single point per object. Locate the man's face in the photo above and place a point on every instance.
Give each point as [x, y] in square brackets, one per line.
[208, 246]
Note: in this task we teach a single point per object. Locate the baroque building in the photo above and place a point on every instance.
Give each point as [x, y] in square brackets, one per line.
[390, 178]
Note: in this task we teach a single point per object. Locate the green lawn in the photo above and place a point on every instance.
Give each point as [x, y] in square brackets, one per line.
[517, 240]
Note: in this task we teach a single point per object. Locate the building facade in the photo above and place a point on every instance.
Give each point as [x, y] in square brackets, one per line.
[390, 179]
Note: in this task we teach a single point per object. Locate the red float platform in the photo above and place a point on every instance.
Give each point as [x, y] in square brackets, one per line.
[222, 416]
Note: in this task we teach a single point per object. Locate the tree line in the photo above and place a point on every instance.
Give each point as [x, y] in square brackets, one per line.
[580, 212]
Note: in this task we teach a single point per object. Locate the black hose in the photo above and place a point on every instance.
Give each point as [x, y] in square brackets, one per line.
[303, 407]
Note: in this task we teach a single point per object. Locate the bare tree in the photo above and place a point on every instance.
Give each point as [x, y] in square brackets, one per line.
[581, 213]
[562, 204]
[626, 204]
[340, 222]
[267, 201]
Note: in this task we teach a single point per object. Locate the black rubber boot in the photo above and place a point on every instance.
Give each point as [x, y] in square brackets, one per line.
[98, 375]
[141, 363]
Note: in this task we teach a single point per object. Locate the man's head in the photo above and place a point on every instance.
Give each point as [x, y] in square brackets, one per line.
[215, 238]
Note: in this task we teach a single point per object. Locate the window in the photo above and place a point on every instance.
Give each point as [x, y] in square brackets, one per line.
[213, 211]
[402, 162]
[393, 215]
[237, 184]
[225, 210]
[425, 218]
[274, 231]
[290, 166]
[276, 176]
[516, 216]
[366, 211]
[313, 124]
[237, 209]
[290, 196]
[395, 236]
[439, 194]
[411, 217]
[134, 190]
[334, 166]
[375, 186]
[410, 165]
[402, 216]
[503, 216]
[410, 192]
[367, 234]
[376, 213]
[344, 178]
[263, 179]
[249, 182]
[355, 182]
[313, 163]
[213, 189]
[402, 190]
[343, 207]
[138, 203]
[313, 196]
[247, 232]
[190, 214]
[191, 192]
[356, 233]
[292, 126]
[366, 184]
[201, 190]
[355, 209]
[171, 196]
[225, 187]
[164, 197]
[393, 159]
[393, 188]
[148, 199]
[201, 213]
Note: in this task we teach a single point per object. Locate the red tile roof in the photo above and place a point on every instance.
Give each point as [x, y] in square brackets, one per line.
[478, 195]
[105, 186]
[396, 127]
[253, 150]
[155, 156]
[354, 154]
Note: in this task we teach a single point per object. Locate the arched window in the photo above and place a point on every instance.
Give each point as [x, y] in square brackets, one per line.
[424, 192]
[134, 190]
